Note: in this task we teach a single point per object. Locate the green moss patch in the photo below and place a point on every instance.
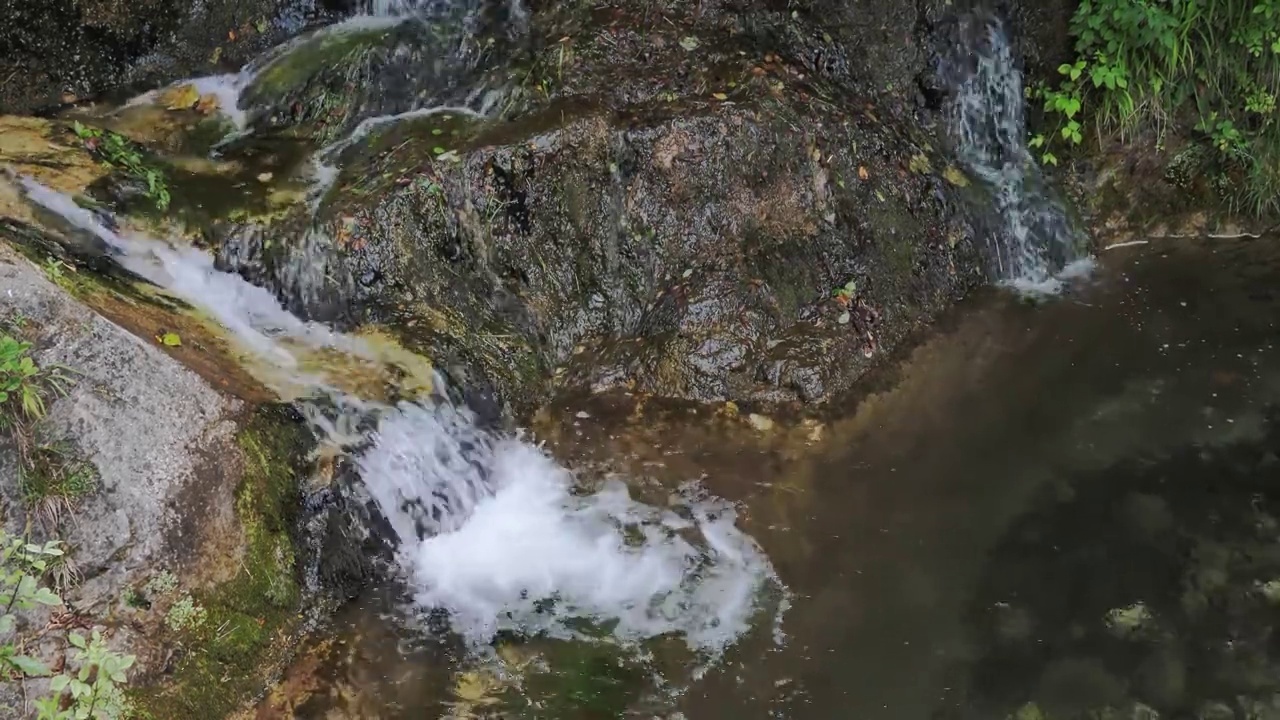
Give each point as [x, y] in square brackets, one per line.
[249, 620]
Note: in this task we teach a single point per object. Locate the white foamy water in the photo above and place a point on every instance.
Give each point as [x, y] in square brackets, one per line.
[988, 122]
[490, 528]
[531, 556]
[1075, 271]
[226, 88]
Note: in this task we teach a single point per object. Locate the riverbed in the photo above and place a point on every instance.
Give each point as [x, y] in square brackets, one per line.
[1051, 507]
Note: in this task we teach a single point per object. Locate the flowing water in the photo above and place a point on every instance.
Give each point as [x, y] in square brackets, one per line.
[1035, 247]
[947, 545]
[488, 528]
[958, 543]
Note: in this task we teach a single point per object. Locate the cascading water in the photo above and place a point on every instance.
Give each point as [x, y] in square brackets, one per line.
[490, 528]
[1036, 243]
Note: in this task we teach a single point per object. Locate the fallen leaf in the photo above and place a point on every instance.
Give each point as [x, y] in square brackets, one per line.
[170, 340]
[207, 104]
[265, 177]
[862, 173]
[955, 177]
[689, 43]
[720, 96]
[231, 35]
[181, 97]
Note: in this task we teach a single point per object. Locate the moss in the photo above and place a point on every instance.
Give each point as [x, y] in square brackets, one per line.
[293, 69]
[252, 617]
[584, 680]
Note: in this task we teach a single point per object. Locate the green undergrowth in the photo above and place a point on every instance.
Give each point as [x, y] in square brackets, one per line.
[119, 153]
[51, 478]
[1208, 67]
[234, 632]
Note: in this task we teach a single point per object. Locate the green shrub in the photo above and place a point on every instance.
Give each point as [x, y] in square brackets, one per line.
[21, 392]
[1210, 66]
[90, 685]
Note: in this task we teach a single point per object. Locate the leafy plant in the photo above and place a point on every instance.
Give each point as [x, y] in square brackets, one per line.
[1210, 66]
[185, 614]
[21, 565]
[162, 583]
[90, 686]
[21, 392]
[116, 151]
[93, 691]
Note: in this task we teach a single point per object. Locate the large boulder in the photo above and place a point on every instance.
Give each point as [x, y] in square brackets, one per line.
[170, 487]
[667, 204]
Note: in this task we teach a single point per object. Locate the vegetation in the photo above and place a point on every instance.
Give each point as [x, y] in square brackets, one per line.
[51, 481]
[230, 632]
[184, 615]
[22, 384]
[90, 685]
[118, 152]
[1211, 66]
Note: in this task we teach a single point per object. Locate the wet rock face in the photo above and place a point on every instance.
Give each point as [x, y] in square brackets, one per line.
[679, 228]
[692, 255]
[52, 51]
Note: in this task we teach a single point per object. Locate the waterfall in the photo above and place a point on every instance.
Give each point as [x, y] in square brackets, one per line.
[489, 527]
[1035, 242]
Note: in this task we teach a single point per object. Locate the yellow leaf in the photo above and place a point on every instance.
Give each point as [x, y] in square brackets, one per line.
[207, 104]
[862, 173]
[955, 177]
[181, 97]
[720, 96]
[171, 340]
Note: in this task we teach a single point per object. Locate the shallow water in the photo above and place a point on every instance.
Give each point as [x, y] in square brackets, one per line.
[909, 529]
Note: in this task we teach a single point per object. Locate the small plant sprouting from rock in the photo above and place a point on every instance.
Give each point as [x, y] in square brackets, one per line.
[54, 481]
[185, 614]
[90, 687]
[94, 690]
[163, 583]
[114, 150]
[21, 566]
[22, 384]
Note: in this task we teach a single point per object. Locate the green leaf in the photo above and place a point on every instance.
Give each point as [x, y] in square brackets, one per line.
[45, 596]
[29, 666]
[59, 683]
[77, 640]
[437, 150]
[171, 340]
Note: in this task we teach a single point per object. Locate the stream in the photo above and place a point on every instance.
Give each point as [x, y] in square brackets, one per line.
[1053, 505]
[1058, 508]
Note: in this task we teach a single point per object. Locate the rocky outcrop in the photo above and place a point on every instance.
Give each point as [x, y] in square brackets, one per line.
[730, 223]
[166, 489]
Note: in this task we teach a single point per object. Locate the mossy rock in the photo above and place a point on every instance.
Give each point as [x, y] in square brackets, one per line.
[253, 619]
